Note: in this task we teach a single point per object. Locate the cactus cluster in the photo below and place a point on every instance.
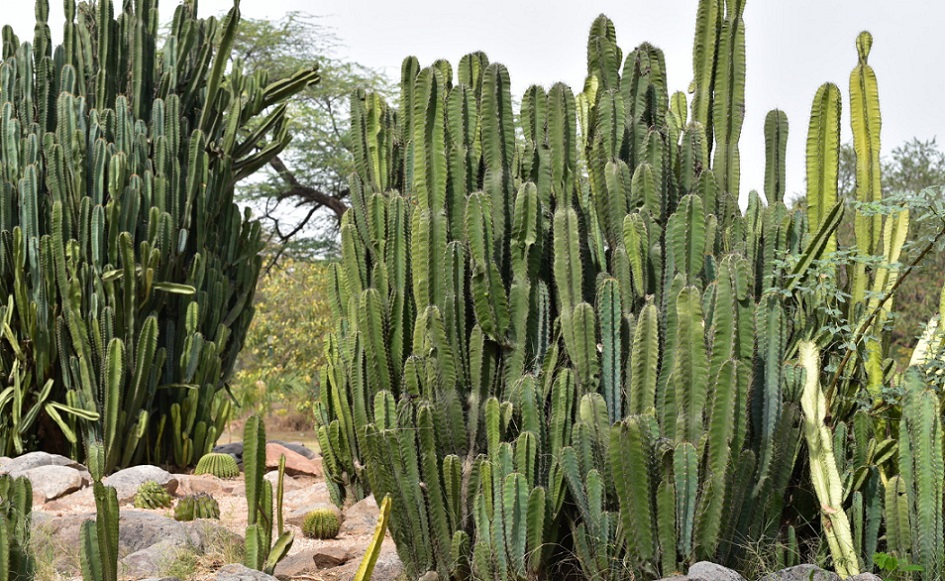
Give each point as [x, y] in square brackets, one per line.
[127, 271]
[571, 334]
[217, 464]
[321, 523]
[152, 495]
[16, 506]
[196, 506]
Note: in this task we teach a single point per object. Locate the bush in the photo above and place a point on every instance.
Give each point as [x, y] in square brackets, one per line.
[278, 368]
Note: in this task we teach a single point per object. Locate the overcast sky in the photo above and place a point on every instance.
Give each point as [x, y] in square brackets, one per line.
[793, 47]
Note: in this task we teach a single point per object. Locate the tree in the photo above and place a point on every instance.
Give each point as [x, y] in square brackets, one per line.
[304, 192]
[909, 168]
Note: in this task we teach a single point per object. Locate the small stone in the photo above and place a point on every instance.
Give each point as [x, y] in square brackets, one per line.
[295, 463]
[288, 482]
[331, 556]
[801, 573]
[238, 572]
[361, 518]
[53, 481]
[865, 577]
[127, 481]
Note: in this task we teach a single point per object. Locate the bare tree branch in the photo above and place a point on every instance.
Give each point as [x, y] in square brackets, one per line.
[310, 195]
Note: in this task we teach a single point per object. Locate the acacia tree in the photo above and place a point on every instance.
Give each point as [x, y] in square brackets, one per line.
[304, 193]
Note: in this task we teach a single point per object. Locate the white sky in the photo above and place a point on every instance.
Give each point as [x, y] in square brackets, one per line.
[793, 47]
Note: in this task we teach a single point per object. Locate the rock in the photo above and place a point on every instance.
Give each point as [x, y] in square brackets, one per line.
[288, 482]
[331, 556]
[865, 577]
[139, 529]
[127, 481]
[313, 494]
[31, 460]
[300, 563]
[241, 573]
[706, 571]
[150, 561]
[206, 483]
[387, 568]
[360, 518]
[429, 576]
[295, 517]
[235, 449]
[52, 481]
[206, 533]
[61, 531]
[801, 573]
[295, 463]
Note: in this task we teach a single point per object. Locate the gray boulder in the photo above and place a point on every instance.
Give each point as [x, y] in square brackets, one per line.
[241, 573]
[706, 571]
[53, 481]
[149, 561]
[127, 481]
[17, 466]
[360, 518]
[235, 449]
[801, 573]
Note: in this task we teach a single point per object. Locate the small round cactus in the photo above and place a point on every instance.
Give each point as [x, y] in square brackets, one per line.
[196, 506]
[219, 465]
[152, 495]
[321, 523]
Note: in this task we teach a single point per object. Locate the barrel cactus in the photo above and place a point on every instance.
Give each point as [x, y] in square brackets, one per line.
[217, 464]
[152, 495]
[196, 506]
[321, 523]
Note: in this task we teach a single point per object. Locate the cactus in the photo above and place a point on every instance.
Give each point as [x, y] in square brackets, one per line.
[568, 332]
[322, 523]
[922, 467]
[16, 505]
[152, 495]
[261, 553]
[99, 538]
[118, 184]
[196, 506]
[217, 464]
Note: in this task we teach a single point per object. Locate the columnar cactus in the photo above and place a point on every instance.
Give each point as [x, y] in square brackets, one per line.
[16, 506]
[119, 165]
[570, 333]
